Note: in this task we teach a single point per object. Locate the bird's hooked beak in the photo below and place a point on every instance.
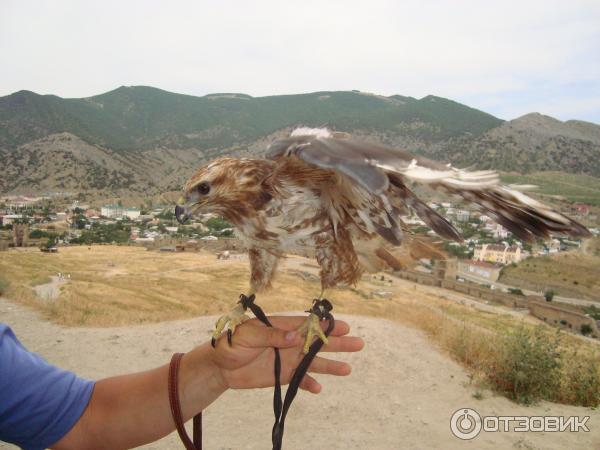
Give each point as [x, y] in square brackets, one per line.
[182, 213]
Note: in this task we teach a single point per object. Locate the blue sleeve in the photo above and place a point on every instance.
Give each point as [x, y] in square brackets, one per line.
[39, 403]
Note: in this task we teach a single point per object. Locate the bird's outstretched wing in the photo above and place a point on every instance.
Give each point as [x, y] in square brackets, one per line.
[386, 173]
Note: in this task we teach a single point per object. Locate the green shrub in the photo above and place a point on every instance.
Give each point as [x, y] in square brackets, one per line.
[593, 312]
[38, 234]
[217, 223]
[586, 329]
[515, 291]
[528, 367]
[51, 242]
[549, 295]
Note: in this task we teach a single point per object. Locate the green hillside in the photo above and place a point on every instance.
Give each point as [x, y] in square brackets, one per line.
[144, 117]
[137, 138]
[576, 188]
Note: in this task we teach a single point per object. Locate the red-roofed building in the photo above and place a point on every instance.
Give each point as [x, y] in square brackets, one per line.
[581, 209]
[91, 213]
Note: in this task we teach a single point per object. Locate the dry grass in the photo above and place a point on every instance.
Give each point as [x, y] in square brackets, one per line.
[571, 274]
[522, 361]
[127, 285]
[113, 285]
[40, 280]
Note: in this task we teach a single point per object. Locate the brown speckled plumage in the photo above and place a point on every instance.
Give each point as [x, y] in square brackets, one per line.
[341, 200]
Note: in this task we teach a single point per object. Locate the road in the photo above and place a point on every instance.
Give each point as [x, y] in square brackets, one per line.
[557, 298]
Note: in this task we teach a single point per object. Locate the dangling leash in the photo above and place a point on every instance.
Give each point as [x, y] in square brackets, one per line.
[322, 309]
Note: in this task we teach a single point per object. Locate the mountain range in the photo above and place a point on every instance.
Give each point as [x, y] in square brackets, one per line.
[144, 139]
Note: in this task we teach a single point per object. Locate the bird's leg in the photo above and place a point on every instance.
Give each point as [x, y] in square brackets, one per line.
[235, 317]
[312, 325]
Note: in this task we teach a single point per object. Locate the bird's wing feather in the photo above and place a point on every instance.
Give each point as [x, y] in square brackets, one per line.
[385, 172]
[350, 158]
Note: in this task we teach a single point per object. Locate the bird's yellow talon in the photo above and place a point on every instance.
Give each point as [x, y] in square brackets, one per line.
[234, 318]
[311, 328]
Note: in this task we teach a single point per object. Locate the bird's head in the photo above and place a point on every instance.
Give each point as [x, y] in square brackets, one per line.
[226, 186]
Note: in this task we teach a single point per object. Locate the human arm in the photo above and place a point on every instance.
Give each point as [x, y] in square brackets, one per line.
[129, 410]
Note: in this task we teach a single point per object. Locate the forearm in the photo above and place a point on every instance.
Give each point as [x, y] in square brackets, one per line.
[130, 410]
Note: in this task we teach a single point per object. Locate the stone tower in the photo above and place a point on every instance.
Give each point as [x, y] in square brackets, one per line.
[20, 234]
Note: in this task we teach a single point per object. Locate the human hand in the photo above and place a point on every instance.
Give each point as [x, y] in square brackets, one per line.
[249, 361]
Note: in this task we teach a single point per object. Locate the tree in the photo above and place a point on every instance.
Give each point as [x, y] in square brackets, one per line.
[80, 222]
[38, 234]
[549, 295]
[217, 224]
[50, 243]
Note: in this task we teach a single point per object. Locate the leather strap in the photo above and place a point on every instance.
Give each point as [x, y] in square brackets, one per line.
[248, 302]
[322, 308]
[176, 408]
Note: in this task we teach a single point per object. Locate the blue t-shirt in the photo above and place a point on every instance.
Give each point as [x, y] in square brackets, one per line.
[39, 403]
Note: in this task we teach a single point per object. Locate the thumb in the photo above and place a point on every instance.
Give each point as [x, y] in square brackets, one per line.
[259, 336]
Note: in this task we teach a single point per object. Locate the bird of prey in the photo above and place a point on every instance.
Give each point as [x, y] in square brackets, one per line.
[342, 200]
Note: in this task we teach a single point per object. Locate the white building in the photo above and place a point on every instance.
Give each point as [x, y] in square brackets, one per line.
[552, 246]
[111, 211]
[462, 215]
[114, 211]
[479, 269]
[10, 218]
[499, 232]
[497, 253]
[132, 213]
[485, 219]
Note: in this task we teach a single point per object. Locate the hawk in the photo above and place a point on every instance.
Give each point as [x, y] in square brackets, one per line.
[342, 200]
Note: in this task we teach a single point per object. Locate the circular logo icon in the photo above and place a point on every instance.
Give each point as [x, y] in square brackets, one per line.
[465, 423]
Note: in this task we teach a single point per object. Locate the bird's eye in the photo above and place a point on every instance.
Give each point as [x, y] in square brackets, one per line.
[203, 188]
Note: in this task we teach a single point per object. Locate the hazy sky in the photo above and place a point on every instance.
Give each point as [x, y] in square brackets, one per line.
[506, 57]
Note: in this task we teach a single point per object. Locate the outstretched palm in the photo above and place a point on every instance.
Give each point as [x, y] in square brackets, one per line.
[249, 361]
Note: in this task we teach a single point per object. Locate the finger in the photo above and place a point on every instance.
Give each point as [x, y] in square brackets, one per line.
[309, 384]
[251, 335]
[329, 367]
[341, 327]
[344, 344]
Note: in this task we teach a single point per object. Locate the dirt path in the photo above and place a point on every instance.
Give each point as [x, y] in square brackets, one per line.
[50, 291]
[401, 394]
